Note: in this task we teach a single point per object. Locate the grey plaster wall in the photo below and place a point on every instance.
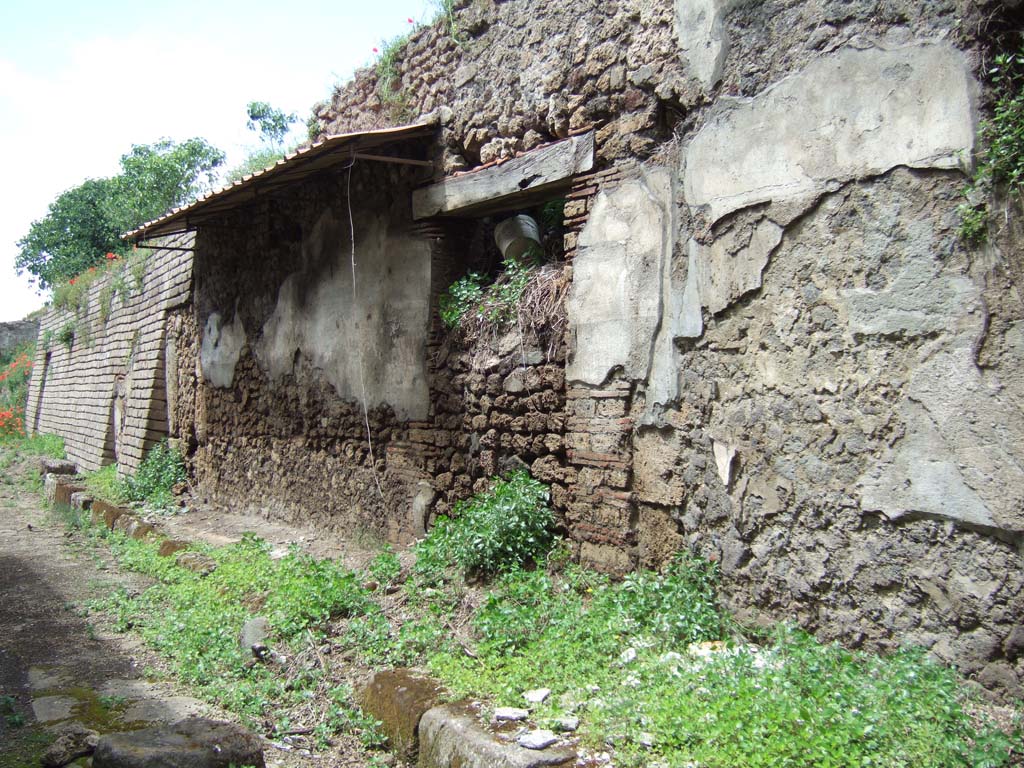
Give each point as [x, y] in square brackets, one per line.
[369, 342]
[812, 407]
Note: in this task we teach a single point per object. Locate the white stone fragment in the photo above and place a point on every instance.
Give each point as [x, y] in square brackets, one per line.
[568, 724]
[627, 656]
[510, 714]
[724, 454]
[536, 695]
[540, 739]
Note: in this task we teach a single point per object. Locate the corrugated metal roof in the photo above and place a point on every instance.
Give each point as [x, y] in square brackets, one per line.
[298, 165]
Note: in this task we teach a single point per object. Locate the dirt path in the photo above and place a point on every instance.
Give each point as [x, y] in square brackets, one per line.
[55, 666]
[59, 665]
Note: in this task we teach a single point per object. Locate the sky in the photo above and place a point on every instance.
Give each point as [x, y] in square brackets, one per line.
[80, 83]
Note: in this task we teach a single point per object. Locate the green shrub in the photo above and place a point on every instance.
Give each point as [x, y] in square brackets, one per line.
[194, 621]
[66, 335]
[153, 483]
[494, 531]
[105, 484]
[623, 656]
[385, 568]
[498, 302]
[462, 297]
[389, 81]
[1001, 160]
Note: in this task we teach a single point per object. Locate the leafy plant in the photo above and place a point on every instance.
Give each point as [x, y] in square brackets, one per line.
[105, 484]
[1001, 161]
[14, 377]
[385, 568]
[505, 293]
[271, 123]
[85, 223]
[493, 531]
[162, 468]
[21, 444]
[389, 81]
[462, 297]
[194, 622]
[259, 160]
[66, 335]
[446, 12]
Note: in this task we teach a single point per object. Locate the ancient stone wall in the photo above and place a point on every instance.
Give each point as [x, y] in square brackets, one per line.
[99, 374]
[289, 351]
[13, 335]
[779, 352]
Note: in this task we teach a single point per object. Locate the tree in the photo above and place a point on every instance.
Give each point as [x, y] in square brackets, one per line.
[157, 177]
[271, 123]
[86, 222]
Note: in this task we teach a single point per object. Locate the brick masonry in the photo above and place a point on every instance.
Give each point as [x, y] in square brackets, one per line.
[105, 393]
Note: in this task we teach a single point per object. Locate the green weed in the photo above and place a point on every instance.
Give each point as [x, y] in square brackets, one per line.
[446, 14]
[18, 447]
[470, 297]
[153, 483]
[385, 568]
[105, 484]
[462, 297]
[494, 531]
[389, 81]
[1001, 160]
[194, 621]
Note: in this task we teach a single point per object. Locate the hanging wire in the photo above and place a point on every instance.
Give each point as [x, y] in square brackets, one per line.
[359, 347]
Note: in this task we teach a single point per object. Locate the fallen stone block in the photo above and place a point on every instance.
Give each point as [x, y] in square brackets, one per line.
[253, 637]
[539, 739]
[170, 547]
[139, 529]
[50, 487]
[510, 714]
[66, 486]
[81, 500]
[73, 742]
[399, 698]
[196, 742]
[48, 466]
[105, 513]
[453, 735]
[123, 521]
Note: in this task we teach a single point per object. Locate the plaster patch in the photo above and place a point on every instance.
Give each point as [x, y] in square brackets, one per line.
[732, 265]
[916, 302]
[961, 458]
[375, 342]
[220, 349]
[615, 301]
[703, 41]
[846, 115]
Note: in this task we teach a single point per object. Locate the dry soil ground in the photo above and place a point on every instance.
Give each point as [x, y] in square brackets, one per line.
[58, 664]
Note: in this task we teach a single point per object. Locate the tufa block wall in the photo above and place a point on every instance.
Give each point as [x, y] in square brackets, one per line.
[105, 393]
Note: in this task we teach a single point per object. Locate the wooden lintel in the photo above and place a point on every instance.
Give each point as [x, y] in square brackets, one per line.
[519, 178]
